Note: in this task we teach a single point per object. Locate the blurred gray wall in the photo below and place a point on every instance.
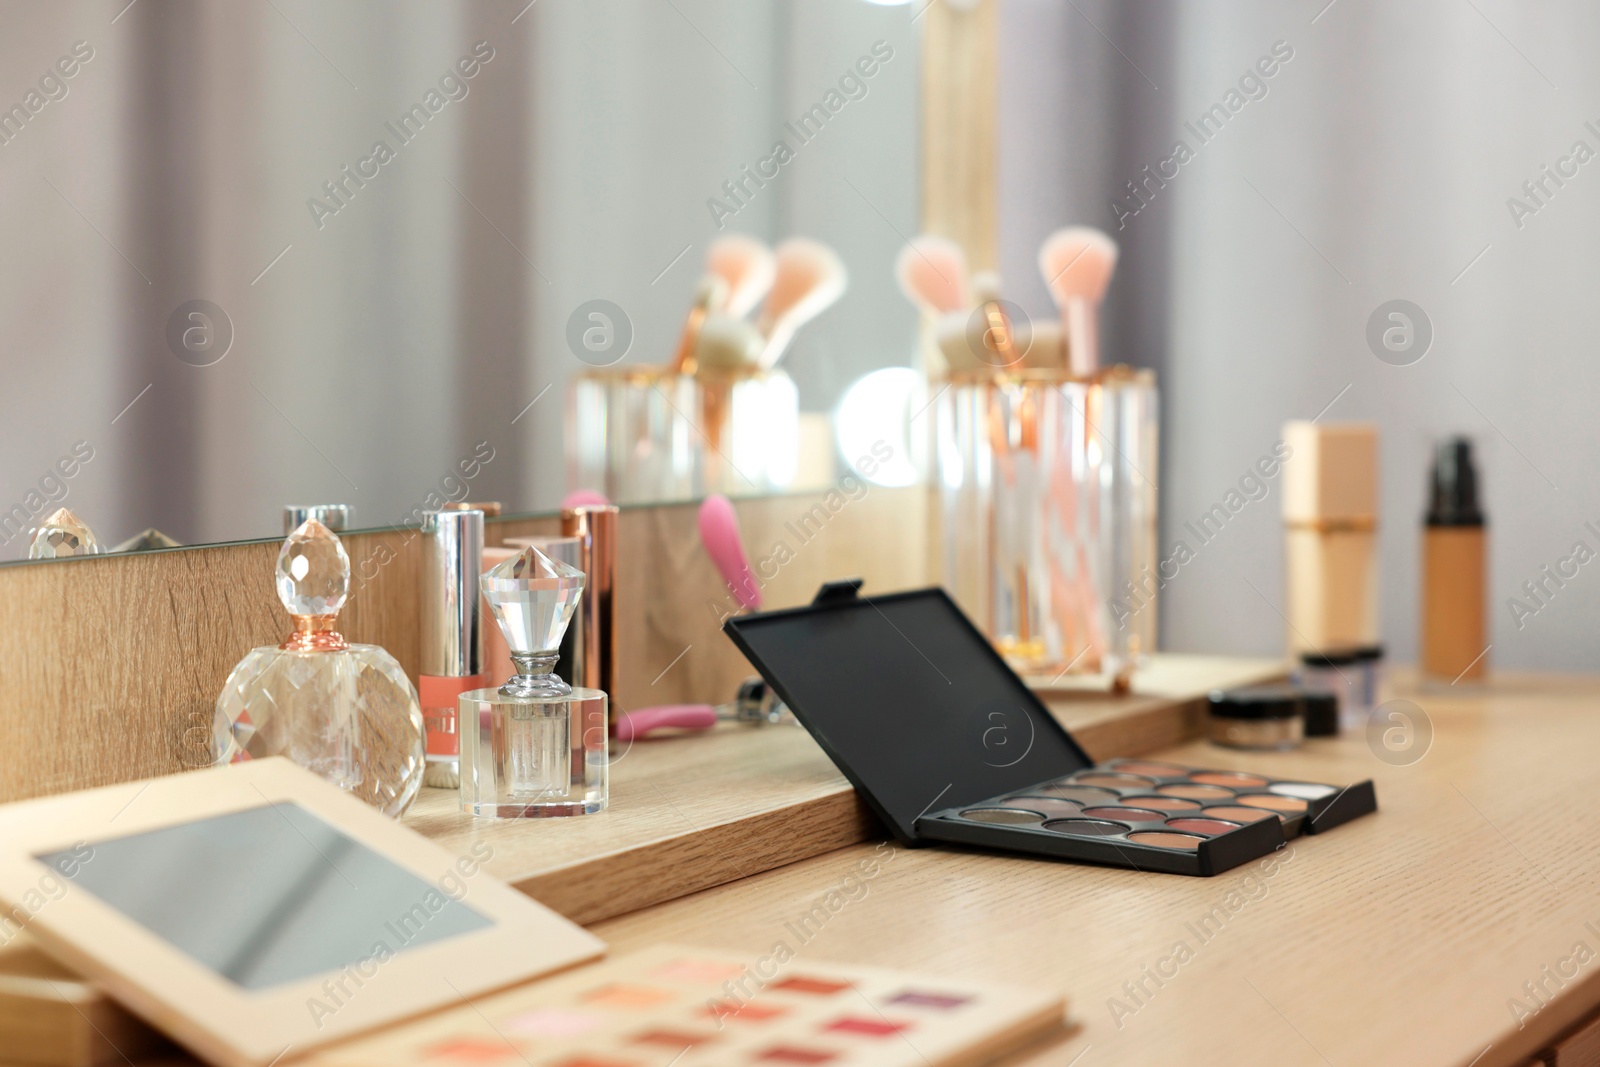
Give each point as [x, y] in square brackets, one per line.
[1378, 166]
[373, 348]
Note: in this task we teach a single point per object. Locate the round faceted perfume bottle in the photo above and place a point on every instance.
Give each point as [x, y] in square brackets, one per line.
[345, 712]
[62, 535]
[536, 746]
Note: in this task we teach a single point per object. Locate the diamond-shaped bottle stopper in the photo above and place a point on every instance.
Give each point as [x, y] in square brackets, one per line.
[62, 535]
[533, 598]
[313, 576]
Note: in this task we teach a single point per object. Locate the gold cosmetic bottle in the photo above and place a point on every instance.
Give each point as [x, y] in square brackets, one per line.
[1330, 518]
[1454, 627]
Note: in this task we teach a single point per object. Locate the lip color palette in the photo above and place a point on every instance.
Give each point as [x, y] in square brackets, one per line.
[946, 743]
[692, 1008]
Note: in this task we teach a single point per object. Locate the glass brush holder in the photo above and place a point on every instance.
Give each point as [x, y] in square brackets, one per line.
[1048, 516]
[644, 434]
[1124, 448]
[536, 746]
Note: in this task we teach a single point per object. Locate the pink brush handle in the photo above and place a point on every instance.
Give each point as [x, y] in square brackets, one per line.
[584, 498]
[719, 532]
[645, 721]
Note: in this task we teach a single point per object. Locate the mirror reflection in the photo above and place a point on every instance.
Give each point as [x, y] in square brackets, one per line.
[383, 257]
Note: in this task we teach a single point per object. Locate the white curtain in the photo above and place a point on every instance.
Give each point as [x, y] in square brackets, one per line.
[381, 330]
[1377, 165]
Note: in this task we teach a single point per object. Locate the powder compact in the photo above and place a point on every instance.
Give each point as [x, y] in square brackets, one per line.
[1263, 717]
[947, 744]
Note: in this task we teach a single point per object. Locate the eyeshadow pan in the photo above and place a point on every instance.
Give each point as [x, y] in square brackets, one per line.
[1051, 806]
[586, 1060]
[684, 1039]
[817, 987]
[1003, 816]
[922, 999]
[856, 1024]
[1233, 779]
[1197, 792]
[796, 1054]
[1272, 802]
[1238, 814]
[629, 996]
[1162, 803]
[1160, 839]
[1125, 814]
[552, 1022]
[1086, 827]
[1081, 793]
[708, 971]
[472, 1050]
[1151, 768]
[1114, 781]
[1303, 790]
[1202, 826]
[748, 1012]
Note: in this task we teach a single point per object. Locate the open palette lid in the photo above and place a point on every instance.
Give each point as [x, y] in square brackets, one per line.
[254, 912]
[908, 699]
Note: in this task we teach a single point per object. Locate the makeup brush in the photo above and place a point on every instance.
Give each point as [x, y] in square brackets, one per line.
[985, 287]
[932, 272]
[1077, 263]
[709, 293]
[810, 277]
[719, 535]
[724, 342]
[1041, 345]
[584, 498]
[746, 265]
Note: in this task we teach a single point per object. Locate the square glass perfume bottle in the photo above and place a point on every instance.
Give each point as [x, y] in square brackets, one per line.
[535, 747]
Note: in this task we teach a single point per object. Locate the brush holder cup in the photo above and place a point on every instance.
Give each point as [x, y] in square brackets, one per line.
[644, 435]
[1047, 494]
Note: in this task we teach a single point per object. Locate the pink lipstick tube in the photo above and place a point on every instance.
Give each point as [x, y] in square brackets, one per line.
[452, 634]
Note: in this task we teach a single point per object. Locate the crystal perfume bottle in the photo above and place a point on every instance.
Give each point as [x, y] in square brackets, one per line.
[345, 712]
[536, 746]
[63, 535]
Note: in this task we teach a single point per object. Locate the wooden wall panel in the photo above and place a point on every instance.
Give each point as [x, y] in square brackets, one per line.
[960, 139]
[110, 666]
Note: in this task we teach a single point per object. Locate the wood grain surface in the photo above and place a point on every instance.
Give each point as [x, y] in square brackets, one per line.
[1401, 938]
[960, 137]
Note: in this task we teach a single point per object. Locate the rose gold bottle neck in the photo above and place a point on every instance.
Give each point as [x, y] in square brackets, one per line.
[314, 633]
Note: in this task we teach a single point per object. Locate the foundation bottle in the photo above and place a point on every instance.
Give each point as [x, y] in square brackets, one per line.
[1454, 623]
[1330, 518]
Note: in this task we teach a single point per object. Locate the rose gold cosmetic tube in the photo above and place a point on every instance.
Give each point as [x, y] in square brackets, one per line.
[497, 665]
[596, 530]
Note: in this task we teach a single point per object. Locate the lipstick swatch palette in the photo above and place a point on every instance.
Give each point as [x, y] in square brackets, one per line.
[693, 1008]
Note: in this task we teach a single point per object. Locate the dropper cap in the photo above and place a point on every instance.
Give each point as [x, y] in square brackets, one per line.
[1453, 492]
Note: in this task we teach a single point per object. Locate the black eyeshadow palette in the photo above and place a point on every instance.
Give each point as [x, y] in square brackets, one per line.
[1202, 819]
[947, 744]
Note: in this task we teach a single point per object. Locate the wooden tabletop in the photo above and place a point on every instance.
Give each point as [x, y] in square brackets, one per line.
[1404, 937]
